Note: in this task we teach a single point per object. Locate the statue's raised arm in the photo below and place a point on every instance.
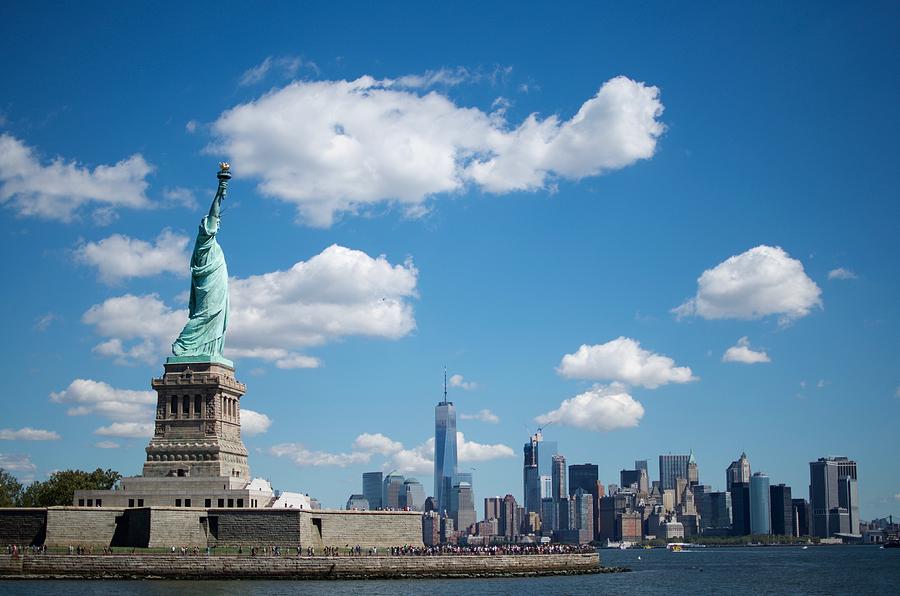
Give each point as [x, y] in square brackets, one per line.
[203, 337]
[224, 175]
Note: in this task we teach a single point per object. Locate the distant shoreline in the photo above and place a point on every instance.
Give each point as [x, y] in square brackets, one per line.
[167, 566]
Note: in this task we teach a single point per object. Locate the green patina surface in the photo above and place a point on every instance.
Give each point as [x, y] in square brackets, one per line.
[212, 359]
[204, 334]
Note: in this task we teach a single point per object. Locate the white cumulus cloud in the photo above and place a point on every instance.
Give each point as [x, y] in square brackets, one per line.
[376, 443]
[126, 430]
[742, 352]
[623, 359]
[461, 382]
[254, 423]
[304, 457]
[763, 281]
[841, 273]
[119, 257]
[472, 451]
[106, 445]
[16, 462]
[28, 434]
[484, 415]
[129, 410]
[333, 147]
[601, 408]
[58, 190]
[338, 293]
[420, 459]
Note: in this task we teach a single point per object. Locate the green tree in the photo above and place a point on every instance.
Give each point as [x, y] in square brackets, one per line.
[10, 489]
[61, 486]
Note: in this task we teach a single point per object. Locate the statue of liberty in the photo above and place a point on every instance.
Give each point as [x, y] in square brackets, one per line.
[203, 337]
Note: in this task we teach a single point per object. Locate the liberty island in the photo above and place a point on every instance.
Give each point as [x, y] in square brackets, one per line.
[196, 490]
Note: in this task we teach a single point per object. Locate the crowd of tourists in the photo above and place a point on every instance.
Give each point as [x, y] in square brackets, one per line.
[497, 549]
[15, 550]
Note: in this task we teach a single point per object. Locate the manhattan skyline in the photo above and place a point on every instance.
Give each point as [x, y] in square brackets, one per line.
[646, 230]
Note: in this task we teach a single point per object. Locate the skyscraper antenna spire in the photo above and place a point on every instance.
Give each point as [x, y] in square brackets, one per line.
[445, 383]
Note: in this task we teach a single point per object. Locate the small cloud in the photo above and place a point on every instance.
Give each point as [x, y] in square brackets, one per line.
[376, 443]
[822, 383]
[445, 77]
[482, 416]
[43, 323]
[841, 273]
[623, 360]
[28, 434]
[119, 257]
[191, 126]
[459, 381]
[897, 497]
[285, 66]
[106, 445]
[254, 423]
[601, 408]
[126, 430]
[17, 462]
[473, 451]
[742, 352]
[803, 384]
[60, 189]
[303, 457]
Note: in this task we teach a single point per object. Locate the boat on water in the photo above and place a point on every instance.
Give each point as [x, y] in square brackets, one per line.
[682, 547]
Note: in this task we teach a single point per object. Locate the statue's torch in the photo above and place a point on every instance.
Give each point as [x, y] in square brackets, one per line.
[224, 176]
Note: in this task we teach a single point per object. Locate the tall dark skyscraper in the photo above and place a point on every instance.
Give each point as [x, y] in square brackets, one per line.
[372, 488]
[531, 480]
[560, 495]
[740, 508]
[672, 467]
[586, 477]
[802, 515]
[629, 477]
[825, 497]
[559, 478]
[445, 465]
[782, 510]
[583, 476]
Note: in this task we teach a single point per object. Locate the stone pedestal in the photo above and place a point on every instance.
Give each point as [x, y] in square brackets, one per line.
[198, 423]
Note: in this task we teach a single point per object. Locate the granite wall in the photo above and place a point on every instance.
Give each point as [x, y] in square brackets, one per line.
[97, 526]
[179, 526]
[23, 527]
[246, 567]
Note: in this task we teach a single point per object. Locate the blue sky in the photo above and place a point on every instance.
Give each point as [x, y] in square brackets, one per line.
[486, 188]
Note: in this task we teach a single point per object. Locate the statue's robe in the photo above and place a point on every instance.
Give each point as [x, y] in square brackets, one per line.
[204, 333]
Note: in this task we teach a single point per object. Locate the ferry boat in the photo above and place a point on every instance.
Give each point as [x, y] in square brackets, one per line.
[680, 547]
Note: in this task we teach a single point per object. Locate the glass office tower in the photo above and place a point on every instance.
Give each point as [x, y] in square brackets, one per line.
[444, 451]
[760, 504]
